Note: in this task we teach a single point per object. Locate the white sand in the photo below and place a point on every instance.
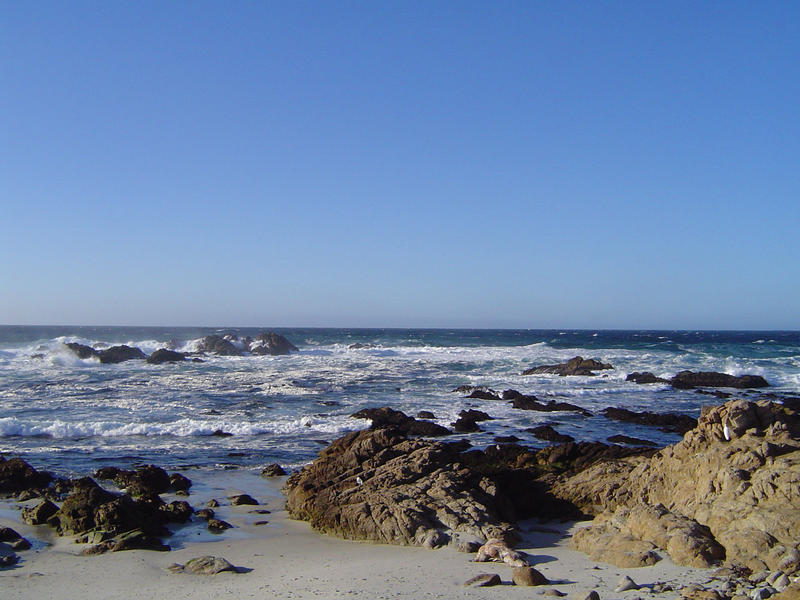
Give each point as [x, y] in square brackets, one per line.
[289, 560]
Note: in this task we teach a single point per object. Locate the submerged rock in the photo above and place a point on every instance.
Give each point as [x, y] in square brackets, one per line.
[574, 366]
[547, 433]
[689, 379]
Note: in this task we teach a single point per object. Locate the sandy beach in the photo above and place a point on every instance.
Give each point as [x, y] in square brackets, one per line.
[287, 559]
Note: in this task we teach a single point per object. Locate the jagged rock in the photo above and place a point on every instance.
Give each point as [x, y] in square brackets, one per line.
[204, 513]
[178, 511]
[216, 344]
[118, 354]
[737, 473]
[39, 514]
[212, 503]
[689, 379]
[528, 576]
[483, 395]
[81, 351]
[163, 355]
[574, 366]
[497, 550]
[632, 441]
[577, 456]
[468, 547]
[483, 580]
[666, 422]
[425, 414]
[388, 417]
[16, 475]
[26, 495]
[523, 402]
[608, 545]
[467, 421]
[271, 344]
[147, 479]
[547, 433]
[243, 499]
[130, 540]
[273, 470]
[645, 377]
[204, 565]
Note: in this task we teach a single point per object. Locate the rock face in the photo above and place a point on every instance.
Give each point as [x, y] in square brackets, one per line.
[382, 486]
[665, 422]
[574, 366]
[734, 480]
[118, 354]
[689, 379]
[163, 355]
[388, 417]
[271, 344]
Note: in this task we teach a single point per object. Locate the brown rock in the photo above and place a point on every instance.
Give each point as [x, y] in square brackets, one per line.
[483, 580]
[39, 514]
[527, 576]
[574, 366]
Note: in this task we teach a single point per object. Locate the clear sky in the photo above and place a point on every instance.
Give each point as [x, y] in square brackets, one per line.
[452, 164]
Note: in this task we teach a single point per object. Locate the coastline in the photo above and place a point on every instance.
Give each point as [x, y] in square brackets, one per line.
[287, 559]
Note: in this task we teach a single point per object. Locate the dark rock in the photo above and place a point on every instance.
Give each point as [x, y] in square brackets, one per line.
[218, 525]
[507, 439]
[25, 495]
[574, 457]
[163, 355]
[360, 346]
[645, 377]
[574, 366]
[624, 439]
[16, 475]
[688, 379]
[243, 499]
[388, 417]
[205, 565]
[39, 514]
[468, 389]
[467, 421]
[271, 344]
[212, 503]
[716, 393]
[108, 473]
[216, 344]
[527, 576]
[178, 511]
[484, 395]
[425, 414]
[273, 470]
[666, 422]
[468, 547]
[547, 433]
[8, 535]
[147, 479]
[82, 351]
[179, 483]
[483, 580]
[474, 415]
[118, 354]
[220, 433]
[20, 544]
[204, 513]
[532, 403]
[130, 540]
[8, 560]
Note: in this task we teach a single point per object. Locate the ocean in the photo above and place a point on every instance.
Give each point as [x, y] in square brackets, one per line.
[72, 416]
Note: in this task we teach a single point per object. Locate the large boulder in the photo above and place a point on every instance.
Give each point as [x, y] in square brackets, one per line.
[81, 350]
[271, 344]
[737, 474]
[16, 475]
[163, 355]
[118, 354]
[689, 379]
[574, 366]
[645, 377]
[215, 344]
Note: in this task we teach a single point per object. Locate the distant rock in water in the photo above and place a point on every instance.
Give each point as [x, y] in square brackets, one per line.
[547, 433]
[163, 355]
[81, 350]
[574, 366]
[688, 379]
[645, 377]
[118, 354]
[666, 422]
[523, 402]
[388, 417]
[360, 346]
[271, 344]
[216, 344]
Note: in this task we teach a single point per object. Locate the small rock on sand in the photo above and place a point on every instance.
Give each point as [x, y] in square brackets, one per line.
[203, 565]
[483, 580]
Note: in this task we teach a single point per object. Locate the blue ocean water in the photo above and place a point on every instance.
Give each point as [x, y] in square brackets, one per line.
[72, 415]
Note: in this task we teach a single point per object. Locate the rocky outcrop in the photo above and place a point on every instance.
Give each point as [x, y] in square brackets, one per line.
[666, 422]
[737, 474]
[468, 421]
[645, 377]
[388, 417]
[271, 344]
[547, 433]
[523, 402]
[574, 366]
[16, 475]
[81, 350]
[631, 441]
[145, 480]
[273, 470]
[118, 354]
[216, 344]
[688, 379]
[163, 355]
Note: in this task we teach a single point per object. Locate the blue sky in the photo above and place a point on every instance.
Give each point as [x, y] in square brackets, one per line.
[452, 164]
